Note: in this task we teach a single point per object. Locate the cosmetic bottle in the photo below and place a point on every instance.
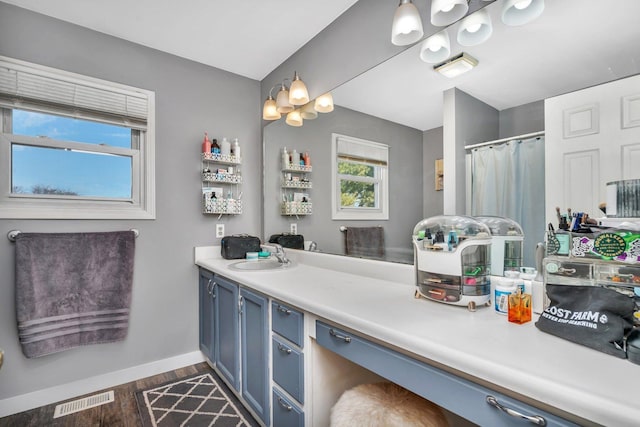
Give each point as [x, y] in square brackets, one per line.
[206, 144]
[285, 158]
[301, 160]
[519, 307]
[225, 147]
[307, 159]
[294, 158]
[235, 149]
[215, 147]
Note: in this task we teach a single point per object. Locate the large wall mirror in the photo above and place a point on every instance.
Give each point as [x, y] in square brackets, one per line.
[574, 44]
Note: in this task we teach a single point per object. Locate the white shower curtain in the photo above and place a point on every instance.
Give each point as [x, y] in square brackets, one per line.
[508, 180]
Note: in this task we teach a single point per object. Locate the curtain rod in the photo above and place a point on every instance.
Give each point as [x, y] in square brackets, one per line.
[497, 141]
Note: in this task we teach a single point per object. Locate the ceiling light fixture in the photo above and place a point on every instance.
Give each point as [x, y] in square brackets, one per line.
[269, 110]
[407, 24]
[445, 12]
[294, 118]
[436, 48]
[298, 94]
[520, 12]
[282, 100]
[324, 103]
[475, 28]
[308, 112]
[456, 65]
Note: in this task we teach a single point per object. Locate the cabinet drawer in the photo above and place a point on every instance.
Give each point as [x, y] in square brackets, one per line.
[458, 395]
[287, 322]
[288, 369]
[285, 412]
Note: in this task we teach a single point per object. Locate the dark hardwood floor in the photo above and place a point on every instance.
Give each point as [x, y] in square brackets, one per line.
[122, 412]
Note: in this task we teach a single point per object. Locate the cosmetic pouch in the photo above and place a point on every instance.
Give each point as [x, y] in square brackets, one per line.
[293, 241]
[237, 246]
[592, 316]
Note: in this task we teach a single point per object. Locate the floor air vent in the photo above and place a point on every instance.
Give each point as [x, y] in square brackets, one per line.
[84, 403]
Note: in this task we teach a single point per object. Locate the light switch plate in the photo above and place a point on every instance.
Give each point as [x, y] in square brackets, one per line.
[219, 231]
[293, 228]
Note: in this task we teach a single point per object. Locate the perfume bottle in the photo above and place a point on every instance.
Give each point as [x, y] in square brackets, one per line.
[519, 307]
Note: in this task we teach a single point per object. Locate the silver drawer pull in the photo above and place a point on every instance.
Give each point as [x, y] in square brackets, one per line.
[284, 349]
[340, 337]
[535, 419]
[284, 404]
[284, 310]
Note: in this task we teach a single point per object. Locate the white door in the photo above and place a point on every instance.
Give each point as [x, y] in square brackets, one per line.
[592, 138]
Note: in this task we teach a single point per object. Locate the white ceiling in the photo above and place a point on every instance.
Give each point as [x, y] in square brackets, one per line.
[574, 44]
[246, 37]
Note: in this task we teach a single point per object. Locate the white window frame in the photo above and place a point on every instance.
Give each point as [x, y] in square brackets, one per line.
[138, 113]
[378, 155]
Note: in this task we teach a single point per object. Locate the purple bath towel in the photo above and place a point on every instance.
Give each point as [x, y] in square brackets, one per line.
[72, 289]
[364, 241]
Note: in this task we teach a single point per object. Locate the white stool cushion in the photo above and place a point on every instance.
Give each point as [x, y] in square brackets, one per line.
[385, 404]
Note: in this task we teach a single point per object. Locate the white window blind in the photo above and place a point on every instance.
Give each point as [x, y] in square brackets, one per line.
[37, 88]
[350, 148]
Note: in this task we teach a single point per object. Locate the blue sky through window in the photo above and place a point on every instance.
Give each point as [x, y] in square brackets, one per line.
[85, 174]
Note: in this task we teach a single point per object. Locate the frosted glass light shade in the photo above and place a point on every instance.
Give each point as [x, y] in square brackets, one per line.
[324, 103]
[282, 101]
[436, 48]
[520, 12]
[308, 112]
[475, 28]
[269, 111]
[407, 24]
[445, 12]
[294, 118]
[298, 94]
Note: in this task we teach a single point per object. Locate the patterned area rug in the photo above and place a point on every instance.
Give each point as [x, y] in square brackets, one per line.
[200, 400]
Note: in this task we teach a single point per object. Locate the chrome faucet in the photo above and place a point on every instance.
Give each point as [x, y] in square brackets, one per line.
[313, 246]
[278, 253]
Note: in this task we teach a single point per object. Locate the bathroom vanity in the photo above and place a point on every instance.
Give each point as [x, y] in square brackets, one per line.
[331, 323]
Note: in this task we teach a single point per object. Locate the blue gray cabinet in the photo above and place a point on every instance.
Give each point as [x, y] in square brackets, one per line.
[458, 395]
[206, 314]
[285, 412]
[255, 352]
[226, 330]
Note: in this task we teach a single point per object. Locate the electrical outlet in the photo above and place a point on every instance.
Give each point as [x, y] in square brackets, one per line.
[219, 231]
[294, 228]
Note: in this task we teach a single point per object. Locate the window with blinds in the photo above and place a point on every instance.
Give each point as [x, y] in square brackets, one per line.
[360, 179]
[73, 146]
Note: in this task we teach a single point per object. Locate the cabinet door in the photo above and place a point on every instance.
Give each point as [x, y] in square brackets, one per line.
[255, 356]
[226, 334]
[206, 320]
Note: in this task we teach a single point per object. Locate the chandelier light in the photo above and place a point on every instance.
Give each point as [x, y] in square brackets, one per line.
[520, 12]
[475, 28]
[298, 94]
[308, 112]
[269, 110]
[436, 48]
[324, 103]
[407, 24]
[445, 12]
[294, 118]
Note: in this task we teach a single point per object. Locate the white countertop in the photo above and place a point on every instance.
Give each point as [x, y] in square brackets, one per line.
[520, 358]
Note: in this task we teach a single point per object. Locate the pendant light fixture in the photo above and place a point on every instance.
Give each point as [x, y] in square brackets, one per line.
[445, 12]
[324, 103]
[269, 110]
[282, 100]
[475, 28]
[520, 12]
[308, 112]
[294, 118]
[298, 94]
[436, 48]
[407, 24]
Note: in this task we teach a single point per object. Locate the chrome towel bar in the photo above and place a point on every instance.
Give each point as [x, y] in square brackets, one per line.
[11, 235]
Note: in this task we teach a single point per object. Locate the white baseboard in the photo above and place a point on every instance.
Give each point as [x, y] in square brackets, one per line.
[24, 402]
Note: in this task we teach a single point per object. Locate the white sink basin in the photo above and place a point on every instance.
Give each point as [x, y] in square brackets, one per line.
[260, 265]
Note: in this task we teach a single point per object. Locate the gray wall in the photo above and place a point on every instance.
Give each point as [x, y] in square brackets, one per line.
[467, 120]
[433, 203]
[405, 177]
[190, 98]
[523, 119]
